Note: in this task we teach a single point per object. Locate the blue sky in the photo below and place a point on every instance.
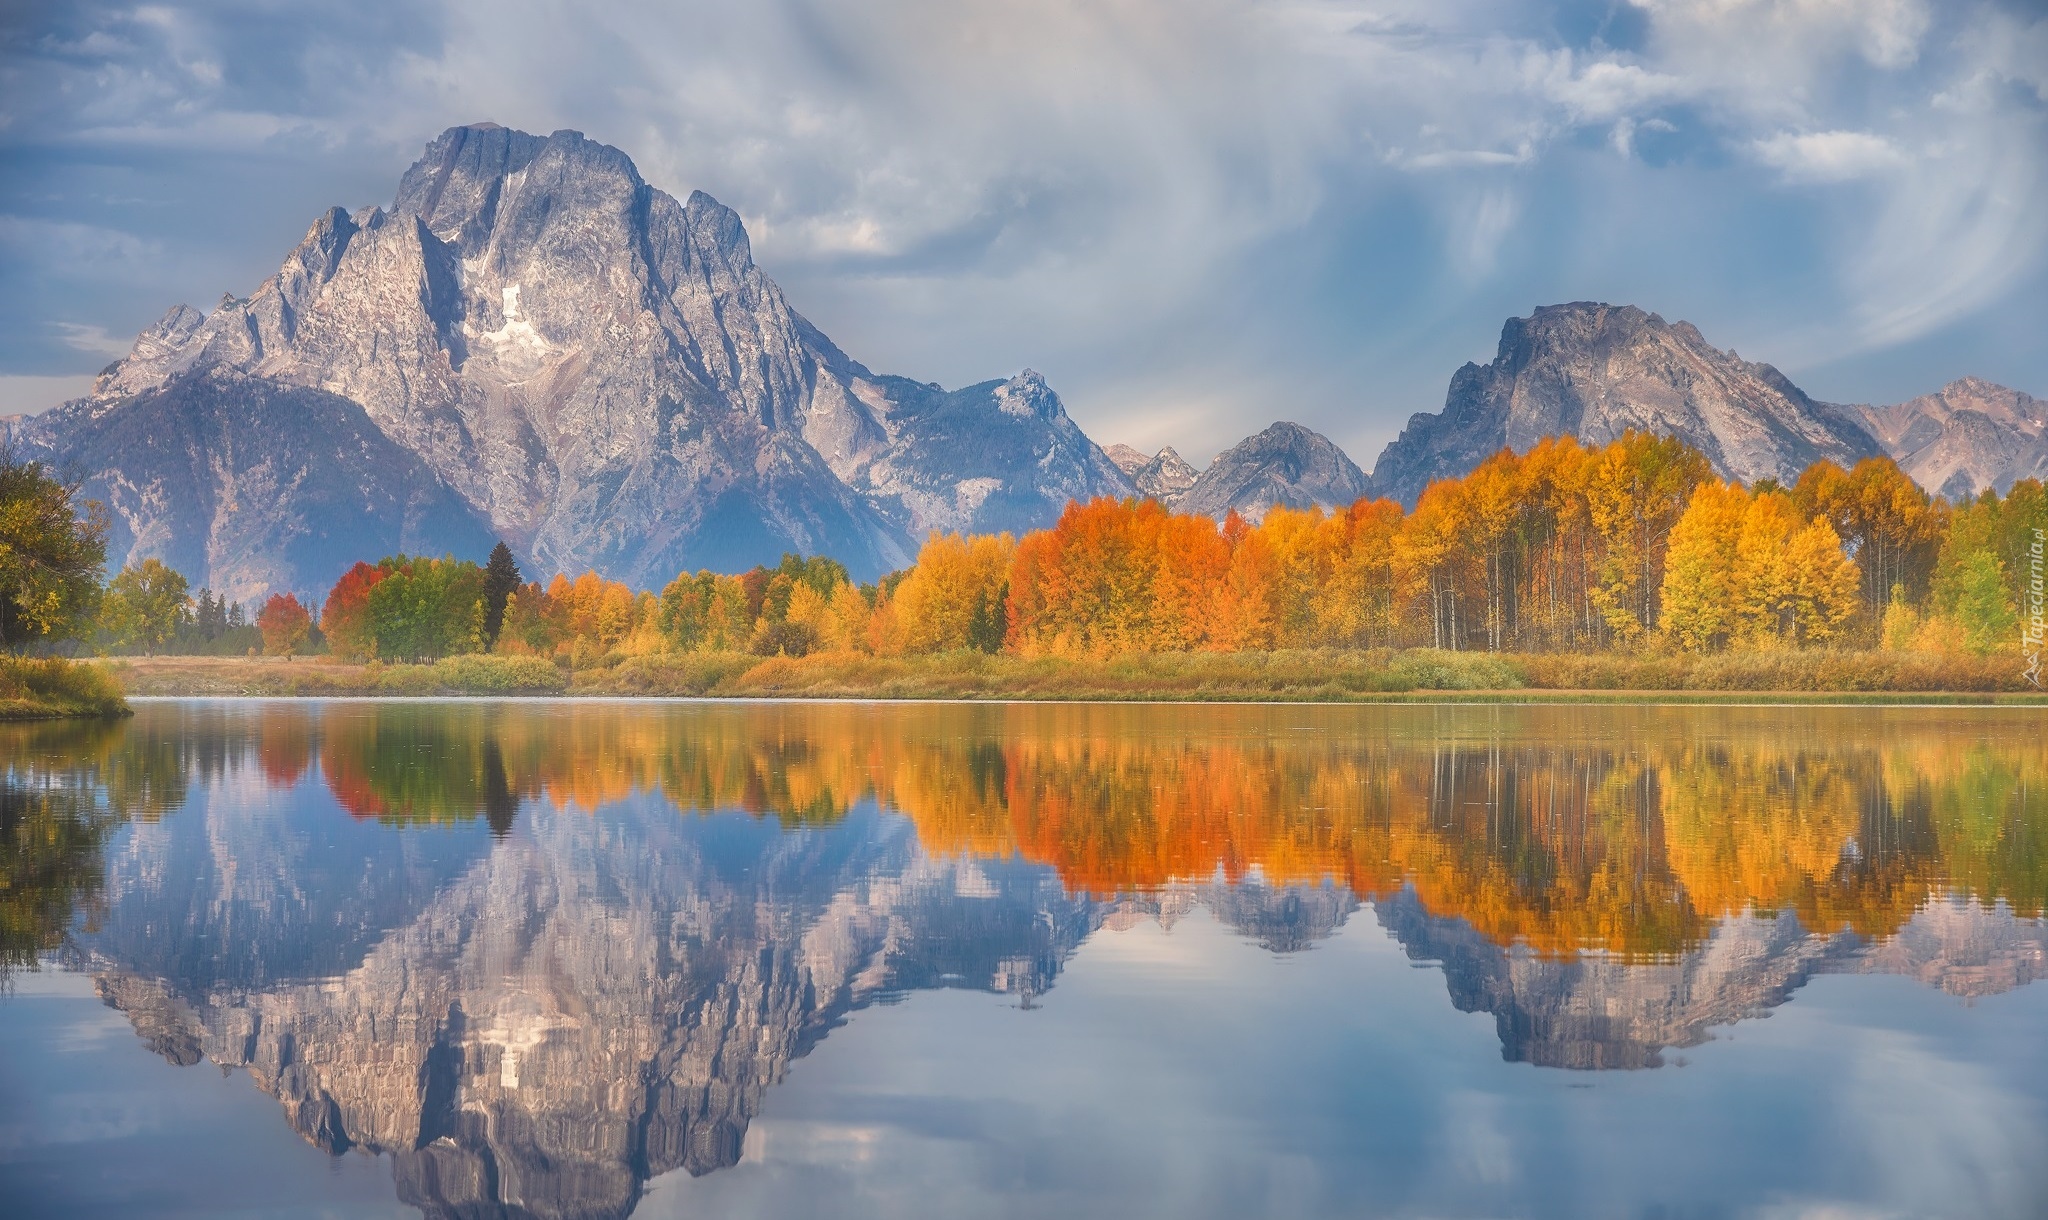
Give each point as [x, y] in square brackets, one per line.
[1194, 216]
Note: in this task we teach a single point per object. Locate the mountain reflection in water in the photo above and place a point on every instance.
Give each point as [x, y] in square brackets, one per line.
[509, 944]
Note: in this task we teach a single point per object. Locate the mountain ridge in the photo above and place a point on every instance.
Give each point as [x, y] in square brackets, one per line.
[561, 355]
[1594, 370]
[604, 374]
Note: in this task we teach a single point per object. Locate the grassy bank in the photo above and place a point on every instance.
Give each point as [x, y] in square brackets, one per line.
[1298, 676]
[321, 677]
[45, 688]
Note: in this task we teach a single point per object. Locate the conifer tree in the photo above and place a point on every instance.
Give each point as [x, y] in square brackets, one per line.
[501, 580]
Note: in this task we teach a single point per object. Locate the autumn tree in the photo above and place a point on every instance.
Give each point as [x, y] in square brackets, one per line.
[346, 616]
[1700, 594]
[285, 625]
[52, 552]
[1794, 585]
[1638, 488]
[955, 596]
[1886, 521]
[1250, 602]
[145, 605]
[1085, 585]
[1354, 606]
[1428, 559]
[1193, 559]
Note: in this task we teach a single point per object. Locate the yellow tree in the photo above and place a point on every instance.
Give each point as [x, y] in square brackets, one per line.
[950, 598]
[1699, 595]
[1497, 495]
[1355, 605]
[1639, 487]
[1825, 584]
[1892, 527]
[1426, 557]
[1302, 559]
[1795, 586]
[1562, 548]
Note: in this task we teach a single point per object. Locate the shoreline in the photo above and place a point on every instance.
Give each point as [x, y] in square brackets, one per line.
[1273, 678]
[55, 688]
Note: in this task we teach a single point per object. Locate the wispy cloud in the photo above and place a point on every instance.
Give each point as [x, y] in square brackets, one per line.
[1828, 156]
[958, 187]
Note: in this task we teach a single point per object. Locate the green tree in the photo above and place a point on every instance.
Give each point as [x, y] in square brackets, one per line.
[1976, 593]
[51, 555]
[145, 605]
[427, 608]
[502, 579]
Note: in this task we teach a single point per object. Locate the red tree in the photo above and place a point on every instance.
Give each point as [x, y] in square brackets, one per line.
[285, 625]
[346, 619]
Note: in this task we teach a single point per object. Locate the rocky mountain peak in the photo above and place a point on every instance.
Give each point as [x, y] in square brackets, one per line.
[1286, 464]
[1027, 394]
[1164, 476]
[1969, 435]
[1594, 370]
[599, 372]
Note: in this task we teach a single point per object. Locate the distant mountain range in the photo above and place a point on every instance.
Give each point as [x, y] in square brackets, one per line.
[534, 344]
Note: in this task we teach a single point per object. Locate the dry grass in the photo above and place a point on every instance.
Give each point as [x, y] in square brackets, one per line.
[322, 676]
[41, 688]
[1306, 676]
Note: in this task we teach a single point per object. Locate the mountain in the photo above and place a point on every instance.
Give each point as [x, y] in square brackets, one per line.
[599, 372]
[534, 1025]
[253, 484]
[1603, 1011]
[1595, 371]
[999, 456]
[1286, 464]
[1968, 436]
[1164, 476]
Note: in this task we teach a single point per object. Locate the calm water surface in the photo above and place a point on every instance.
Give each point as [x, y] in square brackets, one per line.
[586, 960]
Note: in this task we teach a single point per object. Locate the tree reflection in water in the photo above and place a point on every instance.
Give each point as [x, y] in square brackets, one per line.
[523, 959]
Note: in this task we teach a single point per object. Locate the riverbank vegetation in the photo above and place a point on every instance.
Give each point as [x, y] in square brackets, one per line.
[1626, 566]
[51, 555]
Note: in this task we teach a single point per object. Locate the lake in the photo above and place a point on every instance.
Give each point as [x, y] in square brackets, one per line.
[590, 959]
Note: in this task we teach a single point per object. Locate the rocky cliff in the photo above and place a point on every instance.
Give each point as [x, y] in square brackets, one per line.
[257, 485]
[1286, 464]
[598, 371]
[1595, 371]
[1165, 476]
[1970, 435]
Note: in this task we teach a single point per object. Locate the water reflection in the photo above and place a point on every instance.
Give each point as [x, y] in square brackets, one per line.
[542, 954]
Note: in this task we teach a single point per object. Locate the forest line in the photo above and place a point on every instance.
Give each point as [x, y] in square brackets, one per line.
[1631, 547]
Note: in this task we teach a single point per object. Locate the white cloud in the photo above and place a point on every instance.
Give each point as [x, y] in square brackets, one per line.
[1828, 156]
[91, 339]
[957, 188]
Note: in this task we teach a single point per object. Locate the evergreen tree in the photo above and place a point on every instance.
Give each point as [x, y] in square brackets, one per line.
[501, 580]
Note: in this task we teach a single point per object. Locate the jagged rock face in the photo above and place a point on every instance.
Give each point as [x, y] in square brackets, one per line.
[1028, 457]
[1971, 435]
[252, 484]
[605, 375]
[1595, 371]
[1285, 465]
[1165, 476]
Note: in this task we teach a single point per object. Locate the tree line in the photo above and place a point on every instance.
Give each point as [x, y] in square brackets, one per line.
[1632, 545]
